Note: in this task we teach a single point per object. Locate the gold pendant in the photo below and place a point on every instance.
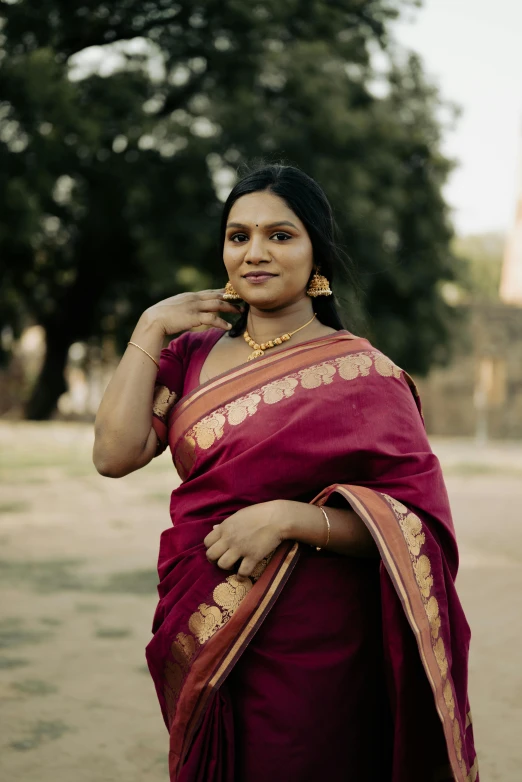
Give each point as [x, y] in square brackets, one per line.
[255, 354]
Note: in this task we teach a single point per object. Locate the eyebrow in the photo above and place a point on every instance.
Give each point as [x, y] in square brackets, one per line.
[270, 225]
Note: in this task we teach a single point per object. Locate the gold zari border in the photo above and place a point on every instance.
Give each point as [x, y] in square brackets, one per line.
[202, 625]
[412, 530]
[162, 402]
[209, 429]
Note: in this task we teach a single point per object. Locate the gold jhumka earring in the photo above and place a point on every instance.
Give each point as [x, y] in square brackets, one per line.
[319, 286]
[230, 294]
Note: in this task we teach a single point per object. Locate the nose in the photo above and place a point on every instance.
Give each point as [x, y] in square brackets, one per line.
[256, 251]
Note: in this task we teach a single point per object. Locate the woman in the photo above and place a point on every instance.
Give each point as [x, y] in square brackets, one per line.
[308, 625]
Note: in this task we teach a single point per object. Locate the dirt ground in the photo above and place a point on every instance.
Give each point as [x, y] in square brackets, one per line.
[78, 591]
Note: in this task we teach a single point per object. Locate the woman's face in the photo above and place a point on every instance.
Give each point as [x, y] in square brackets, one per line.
[267, 251]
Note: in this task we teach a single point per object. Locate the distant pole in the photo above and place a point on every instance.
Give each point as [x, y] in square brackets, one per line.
[481, 420]
[511, 278]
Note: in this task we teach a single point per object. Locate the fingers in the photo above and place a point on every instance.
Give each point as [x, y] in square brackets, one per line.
[220, 553]
[211, 293]
[215, 305]
[210, 319]
[208, 312]
[216, 550]
[228, 559]
[213, 536]
[247, 567]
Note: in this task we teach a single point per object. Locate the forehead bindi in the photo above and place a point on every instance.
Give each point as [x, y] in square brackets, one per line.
[262, 210]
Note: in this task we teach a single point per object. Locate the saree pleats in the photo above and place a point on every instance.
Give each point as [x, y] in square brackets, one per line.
[318, 666]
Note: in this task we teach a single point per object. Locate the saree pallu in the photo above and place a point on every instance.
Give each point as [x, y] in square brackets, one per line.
[330, 421]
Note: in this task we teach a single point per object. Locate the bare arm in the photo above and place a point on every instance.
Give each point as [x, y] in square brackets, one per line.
[124, 437]
[349, 535]
[253, 532]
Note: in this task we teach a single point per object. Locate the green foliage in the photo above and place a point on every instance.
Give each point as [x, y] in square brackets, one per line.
[482, 256]
[110, 182]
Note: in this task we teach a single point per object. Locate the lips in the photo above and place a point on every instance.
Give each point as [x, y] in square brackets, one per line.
[258, 275]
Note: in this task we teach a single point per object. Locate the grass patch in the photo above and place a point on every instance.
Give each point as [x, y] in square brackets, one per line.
[34, 687]
[8, 663]
[14, 507]
[61, 575]
[52, 575]
[81, 471]
[42, 731]
[12, 634]
[477, 468]
[119, 524]
[113, 632]
[158, 496]
[86, 608]
[15, 479]
[131, 582]
[51, 621]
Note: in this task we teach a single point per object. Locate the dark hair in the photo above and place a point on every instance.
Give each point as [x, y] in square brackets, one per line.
[307, 200]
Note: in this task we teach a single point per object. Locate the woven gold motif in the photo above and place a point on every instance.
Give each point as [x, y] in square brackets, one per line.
[229, 594]
[163, 400]
[239, 409]
[412, 529]
[432, 609]
[205, 622]
[422, 568]
[278, 390]
[440, 656]
[457, 739]
[261, 567]
[210, 429]
[397, 506]
[351, 367]
[449, 699]
[386, 367]
[183, 649]
[185, 456]
[317, 376]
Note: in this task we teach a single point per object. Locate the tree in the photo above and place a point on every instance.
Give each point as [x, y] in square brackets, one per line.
[482, 257]
[111, 183]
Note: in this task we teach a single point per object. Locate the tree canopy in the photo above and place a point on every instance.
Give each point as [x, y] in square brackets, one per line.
[112, 174]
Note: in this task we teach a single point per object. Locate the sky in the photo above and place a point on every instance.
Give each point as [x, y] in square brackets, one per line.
[472, 49]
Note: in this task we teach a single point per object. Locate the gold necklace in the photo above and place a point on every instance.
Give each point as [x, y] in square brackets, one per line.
[259, 350]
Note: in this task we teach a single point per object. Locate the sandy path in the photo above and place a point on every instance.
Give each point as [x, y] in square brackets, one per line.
[77, 595]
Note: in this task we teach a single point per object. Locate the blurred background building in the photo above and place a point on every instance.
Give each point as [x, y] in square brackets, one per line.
[480, 392]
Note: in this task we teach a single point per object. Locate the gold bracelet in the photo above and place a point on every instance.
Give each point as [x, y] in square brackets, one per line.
[144, 351]
[328, 529]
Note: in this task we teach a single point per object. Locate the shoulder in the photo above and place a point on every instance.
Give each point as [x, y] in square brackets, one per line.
[188, 342]
[380, 379]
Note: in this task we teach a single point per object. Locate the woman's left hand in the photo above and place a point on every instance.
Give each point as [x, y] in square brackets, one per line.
[249, 534]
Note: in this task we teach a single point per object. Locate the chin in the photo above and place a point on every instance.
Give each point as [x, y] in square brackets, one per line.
[262, 302]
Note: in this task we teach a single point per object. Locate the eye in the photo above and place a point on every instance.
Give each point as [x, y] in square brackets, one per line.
[233, 237]
[280, 234]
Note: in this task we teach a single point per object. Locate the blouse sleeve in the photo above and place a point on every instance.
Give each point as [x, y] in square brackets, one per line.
[168, 387]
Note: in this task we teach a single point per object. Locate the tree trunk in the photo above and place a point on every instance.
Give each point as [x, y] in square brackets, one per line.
[51, 381]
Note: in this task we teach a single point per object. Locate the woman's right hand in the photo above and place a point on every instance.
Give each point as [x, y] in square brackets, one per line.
[188, 310]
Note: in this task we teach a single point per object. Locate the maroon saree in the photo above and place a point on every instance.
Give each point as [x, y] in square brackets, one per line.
[318, 666]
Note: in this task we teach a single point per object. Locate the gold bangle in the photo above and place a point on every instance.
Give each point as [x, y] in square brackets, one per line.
[144, 351]
[328, 529]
